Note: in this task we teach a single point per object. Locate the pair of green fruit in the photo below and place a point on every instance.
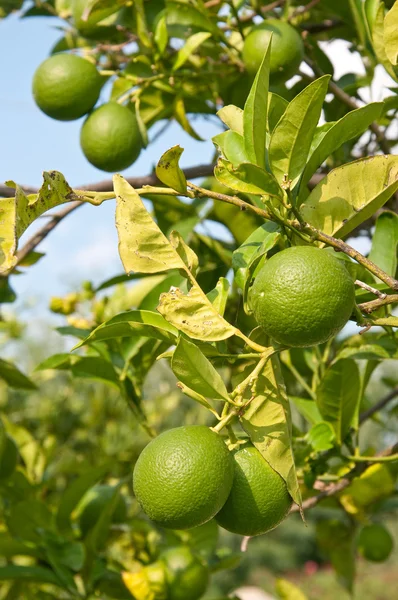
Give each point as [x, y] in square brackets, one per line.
[67, 87]
[187, 476]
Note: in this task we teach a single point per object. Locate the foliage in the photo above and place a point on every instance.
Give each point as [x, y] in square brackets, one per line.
[281, 179]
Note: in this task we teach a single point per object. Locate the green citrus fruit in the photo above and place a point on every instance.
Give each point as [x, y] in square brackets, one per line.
[94, 502]
[375, 543]
[259, 499]
[187, 577]
[302, 296]
[99, 24]
[110, 137]
[8, 458]
[287, 49]
[183, 477]
[66, 86]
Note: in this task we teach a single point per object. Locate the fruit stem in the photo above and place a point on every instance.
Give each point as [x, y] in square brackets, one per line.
[225, 421]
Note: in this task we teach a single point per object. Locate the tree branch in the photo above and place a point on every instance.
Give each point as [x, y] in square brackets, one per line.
[369, 307]
[367, 414]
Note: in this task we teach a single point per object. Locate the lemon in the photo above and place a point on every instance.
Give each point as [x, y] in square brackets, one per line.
[287, 49]
[302, 296]
[66, 86]
[183, 477]
[110, 137]
[187, 577]
[375, 542]
[259, 499]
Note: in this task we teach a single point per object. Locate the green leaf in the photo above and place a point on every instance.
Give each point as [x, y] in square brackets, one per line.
[133, 323]
[350, 126]
[391, 34]
[385, 243]
[267, 420]
[259, 241]
[27, 520]
[194, 315]
[350, 194]
[276, 109]
[191, 367]
[16, 214]
[31, 574]
[191, 44]
[247, 178]
[180, 115]
[364, 352]
[370, 8]
[169, 171]
[288, 591]
[379, 43]
[321, 436]
[232, 116]
[232, 147]
[197, 397]
[10, 547]
[338, 395]
[255, 113]
[89, 367]
[75, 492]
[160, 35]
[14, 377]
[97, 536]
[182, 16]
[219, 295]
[142, 246]
[291, 139]
[307, 408]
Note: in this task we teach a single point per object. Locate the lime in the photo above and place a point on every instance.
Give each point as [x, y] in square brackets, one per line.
[187, 577]
[8, 458]
[66, 86]
[287, 49]
[94, 502]
[110, 137]
[375, 542]
[302, 296]
[259, 499]
[183, 477]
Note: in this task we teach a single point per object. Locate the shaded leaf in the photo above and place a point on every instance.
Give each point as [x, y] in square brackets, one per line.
[31, 574]
[338, 395]
[180, 115]
[391, 34]
[350, 194]
[14, 377]
[91, 367]
[219, 295]
[276, 108]
[191, 367]
[385, 242]
[291, 139]
[260, 241]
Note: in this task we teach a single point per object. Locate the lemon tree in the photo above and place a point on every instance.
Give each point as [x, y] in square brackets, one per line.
[272, 335]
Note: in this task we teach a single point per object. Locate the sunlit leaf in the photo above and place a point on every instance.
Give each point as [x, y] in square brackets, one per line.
[190, 46]
[169, 171]
[247, 178]
[391, 34]
[232, 116]
[385, 242]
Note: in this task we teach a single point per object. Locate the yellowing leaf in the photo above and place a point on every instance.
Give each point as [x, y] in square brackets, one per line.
[232, 116]
[169, 172]
[191, 44]
[267, 420]
[391, 34]
[288, 591]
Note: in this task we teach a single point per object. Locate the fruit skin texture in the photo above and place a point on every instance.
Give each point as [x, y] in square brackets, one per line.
[287, 49]
[110, 137]
[93, 504]
[375, 543]
[183, 477]
[259, 499]
[8, 459]
[187, 577]
[302, 296]
[66, 86]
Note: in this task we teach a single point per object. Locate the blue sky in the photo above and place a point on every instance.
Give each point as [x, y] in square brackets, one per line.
[84, 246]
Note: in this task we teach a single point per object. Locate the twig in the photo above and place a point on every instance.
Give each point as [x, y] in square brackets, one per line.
[372, 305]
[231, 200]
[321, 26]
[367, 414]
[104, 186]
[303, 9]
[371, 289]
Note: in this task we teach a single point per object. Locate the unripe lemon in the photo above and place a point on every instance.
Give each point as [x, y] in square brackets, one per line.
[287, 49]
[187, 577]
[302, 296]
[259, 499]
[66, 86]
[375, 543]
[183, 477]
[93, 504]
[110, 137]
